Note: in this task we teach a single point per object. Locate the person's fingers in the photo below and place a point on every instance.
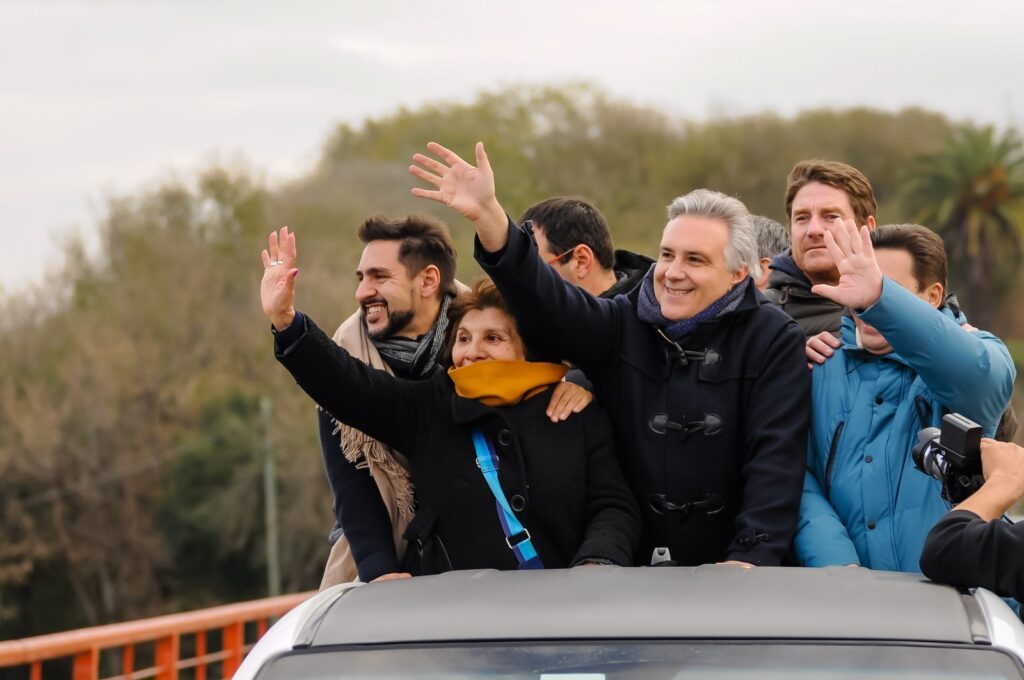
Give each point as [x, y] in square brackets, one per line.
[814, 356]
[818, 349]
[393, 576]
[566, 400]
[426, 176]
[829, 339]
[481, 158]
[265, 256]
[849, 231]
[834, 250]
[289, 284]
[288, 253]
[275, 252]
[866, 247]
[842, 238]
[825, 290]
[449, 156]
[430, 164]
[426, 193]
[582, 401]
[571, 399]
[556, 410]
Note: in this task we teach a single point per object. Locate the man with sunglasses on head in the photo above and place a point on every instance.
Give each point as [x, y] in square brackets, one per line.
[573, 237]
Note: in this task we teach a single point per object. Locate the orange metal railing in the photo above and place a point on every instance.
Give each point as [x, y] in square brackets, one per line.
[84, 646]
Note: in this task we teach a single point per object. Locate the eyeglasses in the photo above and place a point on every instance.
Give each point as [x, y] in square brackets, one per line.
[556, 258]
[527, 226]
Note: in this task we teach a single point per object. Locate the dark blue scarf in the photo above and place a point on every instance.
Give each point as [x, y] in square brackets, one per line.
[649, 310]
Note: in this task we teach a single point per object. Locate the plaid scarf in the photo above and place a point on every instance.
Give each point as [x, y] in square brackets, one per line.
[419, 356]
[649, 310]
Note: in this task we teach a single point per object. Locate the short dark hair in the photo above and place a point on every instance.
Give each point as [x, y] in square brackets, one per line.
[772, 237]
[568, 221]
[926, 249]
[846, 178]
[483, 294]
[425, 241]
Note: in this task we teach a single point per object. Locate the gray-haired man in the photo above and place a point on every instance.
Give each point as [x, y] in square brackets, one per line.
[772, 240]
[704, 380]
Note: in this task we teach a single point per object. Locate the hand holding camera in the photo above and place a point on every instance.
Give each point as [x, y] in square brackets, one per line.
[952, 455]
[983, 476]
[971, 546]
[1003, 463]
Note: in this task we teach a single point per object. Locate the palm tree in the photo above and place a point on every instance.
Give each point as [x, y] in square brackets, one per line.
[972, 192]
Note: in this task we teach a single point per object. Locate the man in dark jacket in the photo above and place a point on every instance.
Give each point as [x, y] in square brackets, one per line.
[818, 193]
[972, 546]
[573, 237]
[406, 281]
[704, 380]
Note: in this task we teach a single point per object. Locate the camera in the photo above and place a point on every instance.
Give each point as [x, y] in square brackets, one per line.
[952, 455]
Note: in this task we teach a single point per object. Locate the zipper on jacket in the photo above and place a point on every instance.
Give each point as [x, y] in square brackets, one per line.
[832, 458]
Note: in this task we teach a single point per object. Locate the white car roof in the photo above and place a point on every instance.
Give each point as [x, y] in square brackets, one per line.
[706, 602]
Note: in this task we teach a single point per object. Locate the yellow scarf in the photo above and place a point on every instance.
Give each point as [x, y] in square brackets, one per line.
[503, 383]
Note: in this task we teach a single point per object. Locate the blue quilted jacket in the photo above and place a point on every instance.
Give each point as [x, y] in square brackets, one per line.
[863, 500]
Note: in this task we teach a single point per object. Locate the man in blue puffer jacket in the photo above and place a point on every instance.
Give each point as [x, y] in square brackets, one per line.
[904, 362]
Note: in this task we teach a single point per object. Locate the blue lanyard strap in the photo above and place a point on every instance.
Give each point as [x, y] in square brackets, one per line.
[516, 536]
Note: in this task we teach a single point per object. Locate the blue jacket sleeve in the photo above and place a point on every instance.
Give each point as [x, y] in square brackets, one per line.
[358, 507]
[969, 372]
[557, 317]
[821, 538]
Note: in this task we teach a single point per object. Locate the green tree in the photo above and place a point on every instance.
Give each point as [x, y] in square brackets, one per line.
[969, 192]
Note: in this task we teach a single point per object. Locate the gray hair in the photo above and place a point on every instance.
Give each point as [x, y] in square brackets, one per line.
[772, 237]
[742, 248]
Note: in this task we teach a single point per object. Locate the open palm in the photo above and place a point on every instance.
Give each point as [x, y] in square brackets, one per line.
[860, 279]
[462, 187]
[277, 289]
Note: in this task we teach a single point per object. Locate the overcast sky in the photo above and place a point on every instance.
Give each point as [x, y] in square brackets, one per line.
[113, 95]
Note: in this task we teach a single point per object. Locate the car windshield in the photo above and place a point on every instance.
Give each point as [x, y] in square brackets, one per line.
[669, 660]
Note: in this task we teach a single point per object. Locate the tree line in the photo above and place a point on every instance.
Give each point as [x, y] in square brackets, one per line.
[130, 426]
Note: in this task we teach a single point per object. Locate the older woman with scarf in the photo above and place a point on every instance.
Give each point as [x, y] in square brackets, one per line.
[499, 485]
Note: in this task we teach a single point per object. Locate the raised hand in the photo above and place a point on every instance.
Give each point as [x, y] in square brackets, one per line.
[277, 289]
[860, 279]
[464, 188]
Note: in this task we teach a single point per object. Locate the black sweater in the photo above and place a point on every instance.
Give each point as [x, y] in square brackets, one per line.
[965, 551]
[575, 501]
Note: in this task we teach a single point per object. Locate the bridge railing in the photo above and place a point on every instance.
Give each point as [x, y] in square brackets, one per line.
[85, 646]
